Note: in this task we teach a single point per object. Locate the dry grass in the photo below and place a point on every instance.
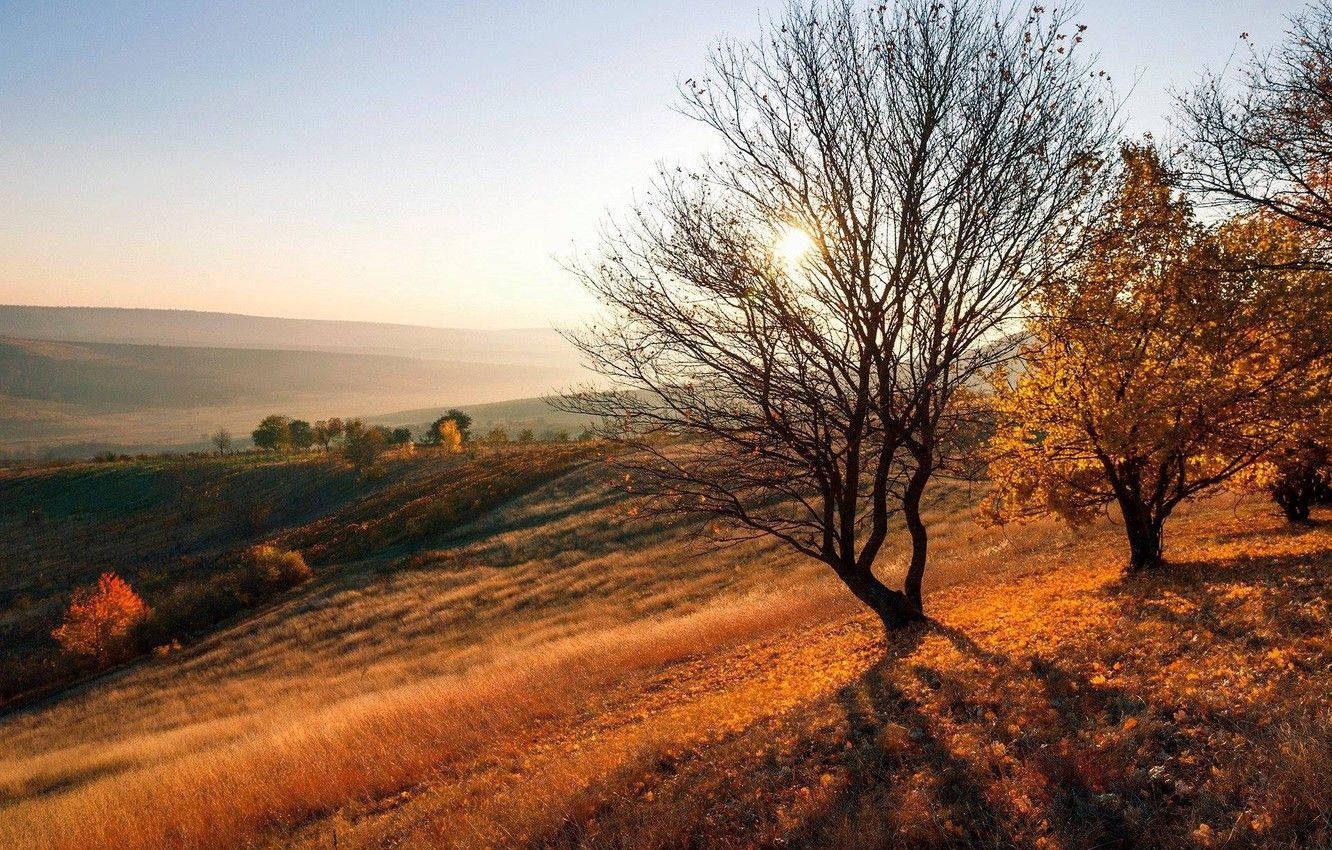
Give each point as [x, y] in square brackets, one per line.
[227, 782]
[556, 675]
[388, 669]
[1066, 708]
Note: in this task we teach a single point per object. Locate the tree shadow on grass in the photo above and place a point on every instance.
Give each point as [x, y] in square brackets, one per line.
[1248, 601]
[974, 748]
[1090, 798]
[889, 736]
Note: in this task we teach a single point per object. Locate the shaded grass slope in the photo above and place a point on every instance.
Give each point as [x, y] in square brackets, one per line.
[178, 529]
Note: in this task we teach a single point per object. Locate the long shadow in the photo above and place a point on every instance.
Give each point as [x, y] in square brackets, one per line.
[871, 704]
[1087, 802]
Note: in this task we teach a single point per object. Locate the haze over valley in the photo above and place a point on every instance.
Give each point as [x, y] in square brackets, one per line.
[774, 424]
[77, 381]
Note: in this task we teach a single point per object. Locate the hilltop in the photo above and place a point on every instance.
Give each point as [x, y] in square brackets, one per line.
[201, 329]
[486, 657]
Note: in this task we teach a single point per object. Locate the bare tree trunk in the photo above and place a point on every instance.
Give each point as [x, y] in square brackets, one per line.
[919, 544]
[890, 606]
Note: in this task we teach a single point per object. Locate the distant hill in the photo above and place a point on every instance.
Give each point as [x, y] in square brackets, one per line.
[73, 399]
[190, 328]
[514, 414]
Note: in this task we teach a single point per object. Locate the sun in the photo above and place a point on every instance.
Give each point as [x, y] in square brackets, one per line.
[791, 244]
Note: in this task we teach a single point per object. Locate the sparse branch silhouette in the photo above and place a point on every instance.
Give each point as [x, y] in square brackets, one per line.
[940, 158]
[1266, 142]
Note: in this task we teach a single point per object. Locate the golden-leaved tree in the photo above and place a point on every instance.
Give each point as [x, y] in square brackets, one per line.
[1297, 471]
[1168, 359]
[99, 619]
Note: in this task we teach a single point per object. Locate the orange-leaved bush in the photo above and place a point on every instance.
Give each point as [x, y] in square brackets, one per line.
[450, 438]
[99, 619]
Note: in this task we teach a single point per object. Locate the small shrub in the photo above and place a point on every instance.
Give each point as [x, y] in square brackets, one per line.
[449, 437]
[99, 621]
[362, 446]
[279, 567]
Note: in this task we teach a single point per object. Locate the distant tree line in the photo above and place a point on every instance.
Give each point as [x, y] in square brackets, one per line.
[362, 445]
[281, 433]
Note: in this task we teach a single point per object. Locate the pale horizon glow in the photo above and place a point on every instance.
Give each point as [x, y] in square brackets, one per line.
[415, 163]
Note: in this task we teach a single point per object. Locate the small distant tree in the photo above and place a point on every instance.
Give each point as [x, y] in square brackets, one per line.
[498, 434]
[448, 437]
[399, 436]
[460, 420]
[273, 433]
[362, 446]
[221, 440]
[302, 435]
[99, 621]
[526, 435]
[1166, 361]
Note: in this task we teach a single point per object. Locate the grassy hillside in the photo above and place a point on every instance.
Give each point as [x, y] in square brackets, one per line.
[487, 664]
[73, 399]
[178, 530]
[1065, 707]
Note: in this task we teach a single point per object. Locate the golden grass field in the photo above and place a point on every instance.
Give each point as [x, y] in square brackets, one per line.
[555, 673]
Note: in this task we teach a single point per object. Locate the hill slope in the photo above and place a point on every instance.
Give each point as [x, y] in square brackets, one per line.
[191, 328]
[179, 528]
[555, 672]
[69, 399]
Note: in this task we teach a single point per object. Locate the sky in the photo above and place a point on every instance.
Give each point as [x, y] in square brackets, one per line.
[425, 163]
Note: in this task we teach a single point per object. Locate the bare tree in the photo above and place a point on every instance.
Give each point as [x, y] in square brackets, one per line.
[1266, 141]
[933, 161]
[221, 440]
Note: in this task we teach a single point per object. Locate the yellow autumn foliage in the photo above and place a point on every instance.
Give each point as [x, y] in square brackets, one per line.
[1171, 357]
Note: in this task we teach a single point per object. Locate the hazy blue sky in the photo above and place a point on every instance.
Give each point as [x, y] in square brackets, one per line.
[412, 162]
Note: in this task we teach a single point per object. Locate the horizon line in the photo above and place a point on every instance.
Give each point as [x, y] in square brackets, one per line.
[285, 318]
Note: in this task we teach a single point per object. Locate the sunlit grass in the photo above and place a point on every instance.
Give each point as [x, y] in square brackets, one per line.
[557, 673]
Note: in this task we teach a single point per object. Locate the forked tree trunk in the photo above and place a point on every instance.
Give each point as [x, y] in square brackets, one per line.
[1144, 536]
[892, 607]
[915, 575]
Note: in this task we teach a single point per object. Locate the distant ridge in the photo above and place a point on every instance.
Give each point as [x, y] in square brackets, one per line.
[74, 380]
[203, 329]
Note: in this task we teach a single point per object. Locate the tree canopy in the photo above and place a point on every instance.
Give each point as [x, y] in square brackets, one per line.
[793, 324]
[273, 433]
[1170, 357]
